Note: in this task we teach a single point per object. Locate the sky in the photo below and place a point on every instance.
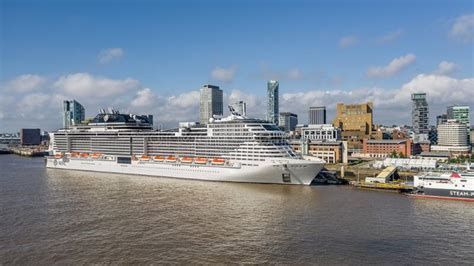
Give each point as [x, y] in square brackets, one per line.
[152, 57]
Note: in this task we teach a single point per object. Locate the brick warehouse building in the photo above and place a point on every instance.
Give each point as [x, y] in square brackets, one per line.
[384, 147]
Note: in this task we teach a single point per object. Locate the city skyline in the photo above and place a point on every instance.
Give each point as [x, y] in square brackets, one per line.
[154, 65]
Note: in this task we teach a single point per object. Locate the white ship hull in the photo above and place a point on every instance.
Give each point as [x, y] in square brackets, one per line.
[288, 171]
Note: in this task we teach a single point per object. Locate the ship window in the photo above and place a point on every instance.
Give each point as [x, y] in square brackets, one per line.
[126, 160]
[271, 127]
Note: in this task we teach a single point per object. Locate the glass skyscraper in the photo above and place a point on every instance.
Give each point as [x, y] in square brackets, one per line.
[461, 114]
[73, 114]
[211, 103]
[272, 102]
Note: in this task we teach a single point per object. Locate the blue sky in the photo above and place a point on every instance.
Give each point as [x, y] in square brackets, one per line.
[173, 47]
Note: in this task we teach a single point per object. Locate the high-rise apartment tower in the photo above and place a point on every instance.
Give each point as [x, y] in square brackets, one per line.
[419, 113]
[272, 101]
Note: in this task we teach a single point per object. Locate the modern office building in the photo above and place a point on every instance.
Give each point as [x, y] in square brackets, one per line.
[356, 123]
[239, 107]
[272, 101]
[211, 103]
[323, 132]
[452, 133]
[419, 114]
[452, 138]
[73, 114]
[317, 115]
[288, 121]
[461, 114]
[30, 136]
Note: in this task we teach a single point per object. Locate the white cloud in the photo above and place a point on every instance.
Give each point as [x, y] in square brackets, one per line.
[390, 37]
[169, 110]
[109, 55]
[185, 100]
[446, 68]
[295, 74]
[394, 67]
[43, 108]
[25, 83]
[348, 41]
[224, 74]
[463, 28]
[238, 95]
[85, 85]
[440, 89]
[178, 108]
[144, 98]
[33, 102]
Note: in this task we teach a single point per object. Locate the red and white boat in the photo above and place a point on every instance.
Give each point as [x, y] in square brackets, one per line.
[450, 186]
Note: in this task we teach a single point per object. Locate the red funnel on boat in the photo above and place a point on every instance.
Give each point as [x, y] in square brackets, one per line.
[455, 175]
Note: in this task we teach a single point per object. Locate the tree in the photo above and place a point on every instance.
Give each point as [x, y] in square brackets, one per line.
[400, 155]
[393, 154]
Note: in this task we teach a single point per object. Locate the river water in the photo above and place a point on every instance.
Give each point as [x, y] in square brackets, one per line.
[69, 217]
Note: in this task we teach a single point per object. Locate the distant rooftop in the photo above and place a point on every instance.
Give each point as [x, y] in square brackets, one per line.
[386, 141]
[434, 154]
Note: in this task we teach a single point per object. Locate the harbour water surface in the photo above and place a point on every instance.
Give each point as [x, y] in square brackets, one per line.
[55, 216]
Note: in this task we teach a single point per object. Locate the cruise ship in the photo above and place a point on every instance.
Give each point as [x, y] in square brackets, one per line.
[235, 148]
[451, 185]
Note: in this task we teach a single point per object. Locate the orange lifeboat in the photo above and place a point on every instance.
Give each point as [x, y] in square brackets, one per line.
[170, 159]
[144, 158]
[96, 155]
[218, 161]
[58, 156]
[187, 160]
[158, 158]
[74, 154]
[84, 155]
[200, 160]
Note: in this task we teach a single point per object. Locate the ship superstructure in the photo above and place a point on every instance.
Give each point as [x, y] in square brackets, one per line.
[450, 185]
[235, 148]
